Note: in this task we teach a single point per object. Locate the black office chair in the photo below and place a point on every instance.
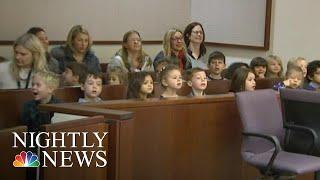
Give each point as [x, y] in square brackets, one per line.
[301, 107]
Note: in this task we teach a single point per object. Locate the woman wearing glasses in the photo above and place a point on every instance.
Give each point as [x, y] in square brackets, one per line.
[131, 57]
[173, 49]
[194, 37]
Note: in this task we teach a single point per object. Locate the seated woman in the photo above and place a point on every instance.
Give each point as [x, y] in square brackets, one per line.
[53, 64]
[29, 57]
[194, 38]
[131, 57]
[78, 49]
[173, 48]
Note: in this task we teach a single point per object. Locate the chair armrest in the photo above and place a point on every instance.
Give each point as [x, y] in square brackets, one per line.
[275, 142]
[315, 144]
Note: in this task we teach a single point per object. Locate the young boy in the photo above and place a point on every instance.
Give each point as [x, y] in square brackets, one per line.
[116, 76]
[258, 66]
[313, 75]
[197, 80]
[92, 87]
[73, 73]
[216, 64]
[294, 79]
[43, 86]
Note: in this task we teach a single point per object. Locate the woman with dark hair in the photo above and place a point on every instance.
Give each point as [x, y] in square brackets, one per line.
[194, 38]
[131, 57]
[53, 64]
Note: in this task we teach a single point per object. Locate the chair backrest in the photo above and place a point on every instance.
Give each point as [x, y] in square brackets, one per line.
[218, 87]
[260, 112]
[300, 107]
[267, 83]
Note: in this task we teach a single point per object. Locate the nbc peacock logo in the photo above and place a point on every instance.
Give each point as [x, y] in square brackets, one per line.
[26, 160]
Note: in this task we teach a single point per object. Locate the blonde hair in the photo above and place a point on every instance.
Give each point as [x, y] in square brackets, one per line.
[278, 60]
[123, 52]
[294, 61]
[50, 79]
[74, 31]
[32, 44]
[167, 41]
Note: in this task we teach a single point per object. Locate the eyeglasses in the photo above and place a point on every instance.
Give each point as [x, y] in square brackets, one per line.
[197, 32]
[176, 39]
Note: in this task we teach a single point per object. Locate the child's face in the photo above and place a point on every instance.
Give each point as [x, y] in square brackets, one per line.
[147, 85]
[295, 79]
[114, 80]
[177, 41]
[303, 65]
[260, 71]
[250, 82]
[41, 91]
[316, 76]
[173, 80]
[274, 67]
[198, 81]
[217, 66]
[68, 78]
[81, 43]
[92, 87]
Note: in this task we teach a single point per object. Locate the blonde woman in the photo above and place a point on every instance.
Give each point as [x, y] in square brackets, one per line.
[78, 49]
[173, 49]
[131, 57]
[29, 57]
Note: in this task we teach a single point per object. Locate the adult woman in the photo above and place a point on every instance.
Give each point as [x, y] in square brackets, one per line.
[194, 37]
[131, 57]
[29, 57]
[173, 48]
[78, 49]
[53, 64]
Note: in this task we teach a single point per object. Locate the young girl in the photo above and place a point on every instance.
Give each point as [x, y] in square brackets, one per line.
[258, 66]
[243, 80]
[116, 76]
[275, 67]
[171, 81]
[141, 86]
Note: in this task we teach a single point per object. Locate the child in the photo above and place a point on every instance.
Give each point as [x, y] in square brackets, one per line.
[233, 67]
[197, 80]
[313, 74]
[300, 62]
[73, 73]
[116, 76]
[294, 79]
[141, 86]
[92, 87]
[243, 80]
[171, 81]
[216, 64]
[159, 65]
[258, 66]
[275, 67]
[43, 86]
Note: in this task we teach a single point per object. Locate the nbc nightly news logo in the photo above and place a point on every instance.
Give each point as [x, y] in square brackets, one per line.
[57, 140]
